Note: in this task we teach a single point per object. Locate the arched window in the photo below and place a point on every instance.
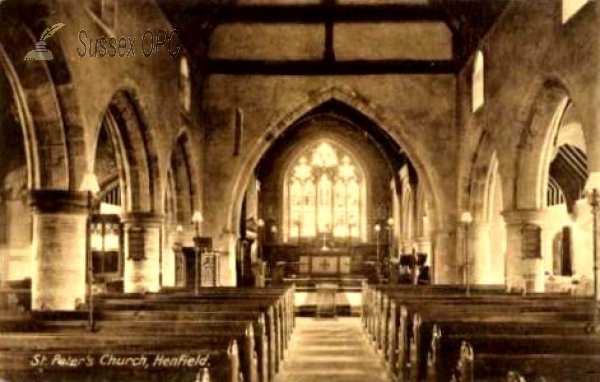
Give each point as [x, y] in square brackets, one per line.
[324, 195]
[477, 94]
[185, 87]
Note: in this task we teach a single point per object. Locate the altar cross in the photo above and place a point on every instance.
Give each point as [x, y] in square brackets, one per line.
[325, 264]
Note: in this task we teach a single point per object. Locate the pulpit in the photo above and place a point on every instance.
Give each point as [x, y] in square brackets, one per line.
[209, 269]
[201, 264]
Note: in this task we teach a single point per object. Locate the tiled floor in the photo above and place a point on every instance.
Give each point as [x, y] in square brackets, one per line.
[330, 350]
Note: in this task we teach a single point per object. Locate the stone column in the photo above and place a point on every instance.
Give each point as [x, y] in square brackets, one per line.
[444, 263]
[171, 239]
[524, 271]
[142, 252]
[15, 221]
[59, 249]
[227, 271]
[424, 246]
[479, 253]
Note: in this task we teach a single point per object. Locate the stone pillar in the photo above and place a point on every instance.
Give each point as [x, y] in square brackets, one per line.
[479, 253]
[59, 249]
[583, 240]
[227, 269]
[142, 252]
[171, 240]
[444, 263]
[524, 271]
[424, 246]
[15, 222]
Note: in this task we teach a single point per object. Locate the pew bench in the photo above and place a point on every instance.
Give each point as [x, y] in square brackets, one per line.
[391, 326]
[548, 367]
[445, 352]
[93, 357]
[181, 322]
[275, 321]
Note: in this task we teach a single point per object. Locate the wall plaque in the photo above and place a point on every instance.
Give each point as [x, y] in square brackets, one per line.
[135, 244]
[531, 241]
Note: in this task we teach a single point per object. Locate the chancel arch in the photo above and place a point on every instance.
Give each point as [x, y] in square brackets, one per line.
[325, 186]
[389, 131]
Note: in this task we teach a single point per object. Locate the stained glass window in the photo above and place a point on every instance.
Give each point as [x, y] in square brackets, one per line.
[324, 195]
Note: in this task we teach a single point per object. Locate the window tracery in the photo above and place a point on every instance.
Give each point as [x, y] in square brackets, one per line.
[324, 195]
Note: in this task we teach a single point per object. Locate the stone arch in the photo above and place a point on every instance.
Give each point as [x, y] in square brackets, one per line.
[409, 189]
[136, 153]
[422, 211]
[481, 173]
[54, 133]
[350, 98]
[487, 234]
[182, 150]
[535, 144]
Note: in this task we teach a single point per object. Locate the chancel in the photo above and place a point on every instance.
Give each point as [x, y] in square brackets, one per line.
[285, 190]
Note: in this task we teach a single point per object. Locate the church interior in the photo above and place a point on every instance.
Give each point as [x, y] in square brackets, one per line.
[294, 190]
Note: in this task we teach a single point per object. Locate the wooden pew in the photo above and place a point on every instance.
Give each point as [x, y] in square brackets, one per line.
[421, 328]
[444, 354]
[284, 308]
[122, 357]
[269, 348]
[216, 300]
[537, 364]
[442, 302]
[232, 305]
[476, 304]
[211, 304]
[241, 331]
[265, 346]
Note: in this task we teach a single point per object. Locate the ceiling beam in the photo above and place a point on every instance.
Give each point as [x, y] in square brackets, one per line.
[320, 13]
[322, 67]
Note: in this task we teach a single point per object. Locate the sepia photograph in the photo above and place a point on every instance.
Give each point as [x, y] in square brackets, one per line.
[299, 190]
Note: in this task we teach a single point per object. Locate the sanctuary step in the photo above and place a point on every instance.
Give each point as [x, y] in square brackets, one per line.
[332, 350]
[328, 296]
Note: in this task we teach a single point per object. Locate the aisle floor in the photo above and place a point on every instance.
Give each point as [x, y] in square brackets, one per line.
[331, 350]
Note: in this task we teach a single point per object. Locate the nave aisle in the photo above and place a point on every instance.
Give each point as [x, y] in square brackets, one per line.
[331, 350]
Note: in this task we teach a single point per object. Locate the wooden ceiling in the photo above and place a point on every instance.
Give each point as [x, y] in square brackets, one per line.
[468, 21]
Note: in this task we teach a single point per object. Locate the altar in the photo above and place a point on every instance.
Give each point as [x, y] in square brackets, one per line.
[324, 264]
[304, 261]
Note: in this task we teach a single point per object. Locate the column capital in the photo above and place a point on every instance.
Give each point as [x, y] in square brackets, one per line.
[60, 201]
[524, 216]
[143, 218]
[443, 231]
[478, 229]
